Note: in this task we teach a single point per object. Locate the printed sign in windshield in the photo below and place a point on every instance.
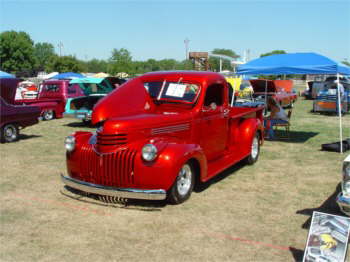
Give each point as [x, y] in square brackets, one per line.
[173, 91]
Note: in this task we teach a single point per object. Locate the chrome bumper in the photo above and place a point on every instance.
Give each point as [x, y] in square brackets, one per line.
[146, 194]
[344, 203]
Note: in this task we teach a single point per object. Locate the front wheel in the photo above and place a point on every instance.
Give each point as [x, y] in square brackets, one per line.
[9, 133]
[183, 185]
[48, 115]
[255, 150]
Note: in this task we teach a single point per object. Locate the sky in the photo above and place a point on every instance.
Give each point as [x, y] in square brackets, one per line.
[157, 29]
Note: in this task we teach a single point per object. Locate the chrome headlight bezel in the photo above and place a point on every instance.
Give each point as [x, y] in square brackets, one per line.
[346, 188]
[346, 170]
[149, 152]
[69, 143]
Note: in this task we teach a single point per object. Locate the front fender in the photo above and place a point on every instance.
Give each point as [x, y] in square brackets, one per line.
[162, 172]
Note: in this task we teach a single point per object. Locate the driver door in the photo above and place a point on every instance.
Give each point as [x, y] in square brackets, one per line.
[214, 123]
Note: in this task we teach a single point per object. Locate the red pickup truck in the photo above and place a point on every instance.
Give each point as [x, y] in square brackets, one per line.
[12, 117]
[52, 98]
[281, 90]
[159, 135]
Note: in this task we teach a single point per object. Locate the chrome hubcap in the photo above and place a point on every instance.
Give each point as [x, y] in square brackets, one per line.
[255, 147]
[10, 132]
[48, 115]
[184, 180]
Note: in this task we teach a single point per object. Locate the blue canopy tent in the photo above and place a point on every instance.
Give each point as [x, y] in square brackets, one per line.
[67, 75]
[6, 75]
[296, 63]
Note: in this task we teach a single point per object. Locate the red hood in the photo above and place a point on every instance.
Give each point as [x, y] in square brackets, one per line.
[129, 98]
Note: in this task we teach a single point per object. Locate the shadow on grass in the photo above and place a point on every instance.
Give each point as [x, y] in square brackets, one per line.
[130, 204]
[79, 124]
[25, 137]
[227, 172]
[329, 206]
[295, 136]
[298, 254]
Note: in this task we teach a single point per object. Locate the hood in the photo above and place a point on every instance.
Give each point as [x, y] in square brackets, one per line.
[273, 86]
[130, 98]
[8, 88]
[159, 122]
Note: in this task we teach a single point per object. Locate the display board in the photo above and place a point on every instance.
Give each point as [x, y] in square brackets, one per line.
[328, 238]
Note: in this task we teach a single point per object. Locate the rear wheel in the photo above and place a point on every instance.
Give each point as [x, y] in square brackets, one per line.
[9, 133]
[183, 185]
[255, 150]
[48, 115]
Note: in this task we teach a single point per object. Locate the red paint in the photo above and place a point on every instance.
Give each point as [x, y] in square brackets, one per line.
[280, 90]
[182, 131]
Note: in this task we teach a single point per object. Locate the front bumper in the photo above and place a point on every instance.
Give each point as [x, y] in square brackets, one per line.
[344, 203]
[146, 194]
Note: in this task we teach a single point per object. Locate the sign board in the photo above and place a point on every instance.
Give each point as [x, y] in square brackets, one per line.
[328, 238]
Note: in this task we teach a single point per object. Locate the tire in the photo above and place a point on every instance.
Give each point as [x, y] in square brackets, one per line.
[48, 115]
[9, 133]
[182, 188]
[255, 150]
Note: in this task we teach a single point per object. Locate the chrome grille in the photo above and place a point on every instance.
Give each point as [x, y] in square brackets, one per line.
[114, 169]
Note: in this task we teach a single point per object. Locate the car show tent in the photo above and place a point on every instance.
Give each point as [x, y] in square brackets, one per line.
[297, 63]
[67, 75]
[6, 75]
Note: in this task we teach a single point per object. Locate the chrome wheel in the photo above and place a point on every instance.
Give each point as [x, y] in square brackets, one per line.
[182, 187]
[48, 115]
[184, 180]
[255, 147]
[9, 133]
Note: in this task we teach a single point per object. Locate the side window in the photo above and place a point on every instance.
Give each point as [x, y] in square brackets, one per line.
[72, 88]
[51, 88]
[214, 95]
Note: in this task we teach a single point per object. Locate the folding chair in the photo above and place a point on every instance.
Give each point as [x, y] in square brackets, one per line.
[284, 125]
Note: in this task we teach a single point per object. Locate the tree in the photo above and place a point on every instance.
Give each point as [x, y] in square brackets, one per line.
[274, 52]
[43, 52]
[17, 53]
[345, 62]
[64, 64]
[214, 62]
[120, 61]
[96, 66]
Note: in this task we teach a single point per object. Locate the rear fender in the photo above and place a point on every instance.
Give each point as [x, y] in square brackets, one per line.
[248, 128]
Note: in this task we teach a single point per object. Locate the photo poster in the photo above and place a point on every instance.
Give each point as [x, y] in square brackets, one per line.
[328, 238]
[176, 90]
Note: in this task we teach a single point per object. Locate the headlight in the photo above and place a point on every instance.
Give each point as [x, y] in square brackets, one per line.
[149, 152]
[69, 143]
[346, 188]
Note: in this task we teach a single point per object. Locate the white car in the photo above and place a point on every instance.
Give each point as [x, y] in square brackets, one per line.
[343, 198]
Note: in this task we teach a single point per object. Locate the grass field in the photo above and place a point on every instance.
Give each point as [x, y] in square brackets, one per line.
[248, 213]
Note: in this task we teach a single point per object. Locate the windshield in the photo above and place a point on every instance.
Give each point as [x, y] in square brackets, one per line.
[173, 91]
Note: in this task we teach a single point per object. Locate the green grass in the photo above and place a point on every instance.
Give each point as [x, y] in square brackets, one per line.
[234, 218]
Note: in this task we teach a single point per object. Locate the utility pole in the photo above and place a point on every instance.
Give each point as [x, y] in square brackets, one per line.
[186, 41]
[60, 46]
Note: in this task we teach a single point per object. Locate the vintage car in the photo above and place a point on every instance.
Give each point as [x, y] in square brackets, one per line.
[281, 90]
[94, 89]
[343, 198]
[14, 117]
[326, 99]
[52, 98]
[160, 134]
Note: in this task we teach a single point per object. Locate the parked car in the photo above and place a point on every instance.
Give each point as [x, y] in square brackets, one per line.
[160, 134]
[343, 198]
[281, 90]
[326, 99]
[94, 89]
[52, 98]
[14, 117]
